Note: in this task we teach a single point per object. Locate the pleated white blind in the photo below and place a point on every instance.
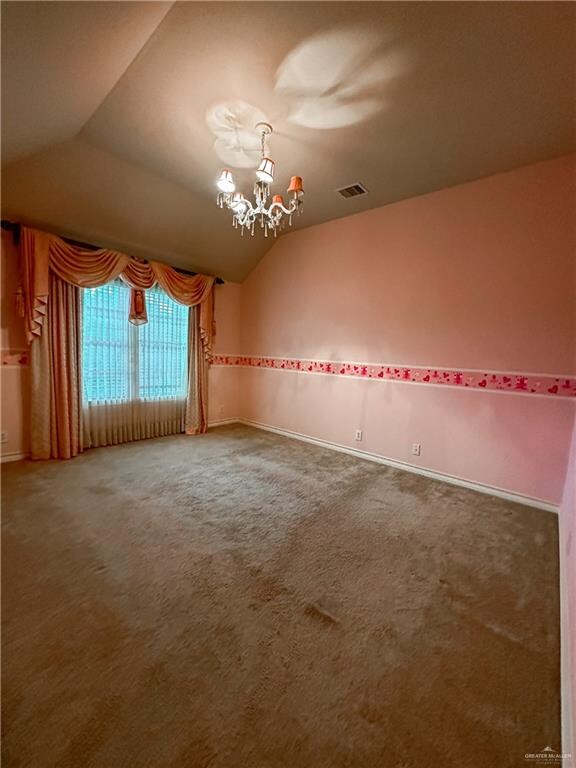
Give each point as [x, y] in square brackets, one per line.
[123, 362]
[162, 348]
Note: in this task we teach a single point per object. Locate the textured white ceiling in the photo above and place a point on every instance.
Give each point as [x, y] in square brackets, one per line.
[117, 116]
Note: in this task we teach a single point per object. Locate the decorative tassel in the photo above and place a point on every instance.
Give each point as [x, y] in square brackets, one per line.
[138, 314]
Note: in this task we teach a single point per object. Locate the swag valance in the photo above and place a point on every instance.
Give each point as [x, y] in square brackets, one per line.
[42, 252]
[62, 424]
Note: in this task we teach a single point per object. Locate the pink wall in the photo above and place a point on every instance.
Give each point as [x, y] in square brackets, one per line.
[14, 377]
[509, 442]
[479, 276]
[568, 560]
[223, 402]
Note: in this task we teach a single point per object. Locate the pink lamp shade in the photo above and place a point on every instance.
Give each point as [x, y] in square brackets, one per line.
[296, 186]
[278, 199]
[265, 170]
[225, 182]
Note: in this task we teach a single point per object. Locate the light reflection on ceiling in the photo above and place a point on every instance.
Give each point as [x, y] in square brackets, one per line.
[338, 78]
[237, 143]
[331, 80]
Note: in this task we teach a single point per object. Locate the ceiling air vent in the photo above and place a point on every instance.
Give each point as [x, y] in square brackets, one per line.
[352, 191]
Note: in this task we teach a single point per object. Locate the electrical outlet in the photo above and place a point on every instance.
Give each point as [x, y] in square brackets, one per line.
[3, 437]
[358, 435]
[416, 447]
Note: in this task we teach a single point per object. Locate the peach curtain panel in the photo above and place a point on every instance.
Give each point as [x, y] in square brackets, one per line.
[56, 416]
[52, 270]
[196, 416]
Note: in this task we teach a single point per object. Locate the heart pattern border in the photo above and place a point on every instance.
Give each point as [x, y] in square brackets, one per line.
[513, 383]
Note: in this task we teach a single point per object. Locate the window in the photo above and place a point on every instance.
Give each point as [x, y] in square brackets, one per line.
[121, 361]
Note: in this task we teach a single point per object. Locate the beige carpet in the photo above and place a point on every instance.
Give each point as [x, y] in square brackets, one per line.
[242, 600]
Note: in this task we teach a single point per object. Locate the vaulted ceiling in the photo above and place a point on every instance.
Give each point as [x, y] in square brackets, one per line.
[117, 116]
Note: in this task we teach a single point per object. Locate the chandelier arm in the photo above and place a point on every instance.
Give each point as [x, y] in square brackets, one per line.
[244, 216]
[287, 211]
[249, 207]
[245, 219]
[252, 211]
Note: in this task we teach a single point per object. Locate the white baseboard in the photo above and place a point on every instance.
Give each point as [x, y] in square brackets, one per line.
[222, 422]
[452, 479]
[501, 493]
[6, 457]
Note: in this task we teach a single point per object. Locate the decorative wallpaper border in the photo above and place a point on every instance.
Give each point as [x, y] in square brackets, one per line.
[513, 383]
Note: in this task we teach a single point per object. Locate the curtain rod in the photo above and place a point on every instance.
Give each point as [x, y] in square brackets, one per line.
[14, 227]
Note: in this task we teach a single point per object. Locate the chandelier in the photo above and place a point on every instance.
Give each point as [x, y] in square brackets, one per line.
[247, 214]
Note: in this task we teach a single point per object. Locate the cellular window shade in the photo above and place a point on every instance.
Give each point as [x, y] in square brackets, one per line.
[134, 377]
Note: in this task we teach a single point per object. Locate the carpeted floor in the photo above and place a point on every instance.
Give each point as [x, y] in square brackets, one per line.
[242, 600]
